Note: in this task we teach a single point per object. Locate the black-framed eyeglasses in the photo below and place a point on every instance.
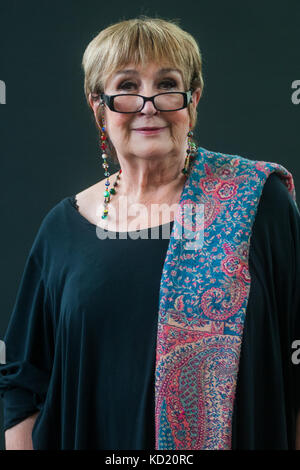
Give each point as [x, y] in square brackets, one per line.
[132, 103]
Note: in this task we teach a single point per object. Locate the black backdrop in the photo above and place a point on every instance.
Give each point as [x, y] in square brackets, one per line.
[48, 140]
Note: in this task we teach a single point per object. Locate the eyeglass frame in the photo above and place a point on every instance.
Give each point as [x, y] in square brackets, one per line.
[109, 100]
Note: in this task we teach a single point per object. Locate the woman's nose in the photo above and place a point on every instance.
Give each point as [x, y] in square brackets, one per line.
[149, 108]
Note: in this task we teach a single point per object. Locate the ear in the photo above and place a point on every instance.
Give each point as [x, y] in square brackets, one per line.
[94, 102]
[196, 97]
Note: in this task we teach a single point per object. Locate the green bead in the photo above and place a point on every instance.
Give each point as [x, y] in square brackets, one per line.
[106, 193]
[112, 191]
[184, 171]
[104, 216]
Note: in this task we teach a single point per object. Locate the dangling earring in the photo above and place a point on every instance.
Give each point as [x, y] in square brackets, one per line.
[190, 153]
[103, 145]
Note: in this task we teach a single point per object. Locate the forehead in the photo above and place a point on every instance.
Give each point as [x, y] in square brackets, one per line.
[145, 69]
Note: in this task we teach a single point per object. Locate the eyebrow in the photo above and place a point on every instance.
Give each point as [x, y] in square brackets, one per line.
[135, 72]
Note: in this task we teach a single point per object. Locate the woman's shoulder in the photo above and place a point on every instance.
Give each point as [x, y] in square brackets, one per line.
[276, 195]
[56, 226]
[277, 218]
[83, 200]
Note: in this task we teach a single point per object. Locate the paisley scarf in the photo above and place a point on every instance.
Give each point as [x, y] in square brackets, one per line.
[203, 299]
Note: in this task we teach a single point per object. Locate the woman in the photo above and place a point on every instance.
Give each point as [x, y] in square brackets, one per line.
[123, 340]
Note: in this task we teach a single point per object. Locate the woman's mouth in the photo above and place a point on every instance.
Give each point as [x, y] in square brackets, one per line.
[149, 130]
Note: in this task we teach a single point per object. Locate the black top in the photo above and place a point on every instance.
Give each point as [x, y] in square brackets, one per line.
[81, 340]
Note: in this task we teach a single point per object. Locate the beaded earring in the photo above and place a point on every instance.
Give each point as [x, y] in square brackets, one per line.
[191, 152]
[103, 145]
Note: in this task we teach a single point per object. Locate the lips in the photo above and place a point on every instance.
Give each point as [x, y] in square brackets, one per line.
[148, 128]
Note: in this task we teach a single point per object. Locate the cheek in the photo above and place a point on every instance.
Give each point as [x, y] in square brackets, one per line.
[118, 126]
[180, 126]
[181, 119]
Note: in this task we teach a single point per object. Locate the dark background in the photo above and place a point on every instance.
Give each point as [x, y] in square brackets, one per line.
[48, 140]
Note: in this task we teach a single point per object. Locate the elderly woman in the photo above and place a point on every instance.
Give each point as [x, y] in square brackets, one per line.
[158, 308]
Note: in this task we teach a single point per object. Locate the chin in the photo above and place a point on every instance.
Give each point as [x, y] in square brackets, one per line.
[152, 148]
[154, 151]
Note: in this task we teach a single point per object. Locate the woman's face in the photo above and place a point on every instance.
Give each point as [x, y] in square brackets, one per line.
[124, 130]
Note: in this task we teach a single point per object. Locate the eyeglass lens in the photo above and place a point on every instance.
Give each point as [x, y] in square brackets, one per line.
[129, 103]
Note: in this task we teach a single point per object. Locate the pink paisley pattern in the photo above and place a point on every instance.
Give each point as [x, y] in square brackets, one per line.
[203, 300]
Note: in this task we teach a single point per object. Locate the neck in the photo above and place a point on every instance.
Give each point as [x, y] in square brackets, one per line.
[150, 181]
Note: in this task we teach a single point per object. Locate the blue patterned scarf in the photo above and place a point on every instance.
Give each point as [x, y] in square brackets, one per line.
[204, 292]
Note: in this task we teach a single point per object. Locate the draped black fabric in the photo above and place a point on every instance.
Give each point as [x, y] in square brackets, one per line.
[268, 389]
[81, 340]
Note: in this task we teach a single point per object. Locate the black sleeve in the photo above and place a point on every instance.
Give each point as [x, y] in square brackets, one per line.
[277, 236]
[29, 345]
[268, 387]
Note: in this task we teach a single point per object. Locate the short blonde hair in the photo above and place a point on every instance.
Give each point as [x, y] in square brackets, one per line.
[139, 41]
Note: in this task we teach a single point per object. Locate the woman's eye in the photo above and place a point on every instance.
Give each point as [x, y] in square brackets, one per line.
[163, 84]
[168, 83]
[126, 85]
[130, 86]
